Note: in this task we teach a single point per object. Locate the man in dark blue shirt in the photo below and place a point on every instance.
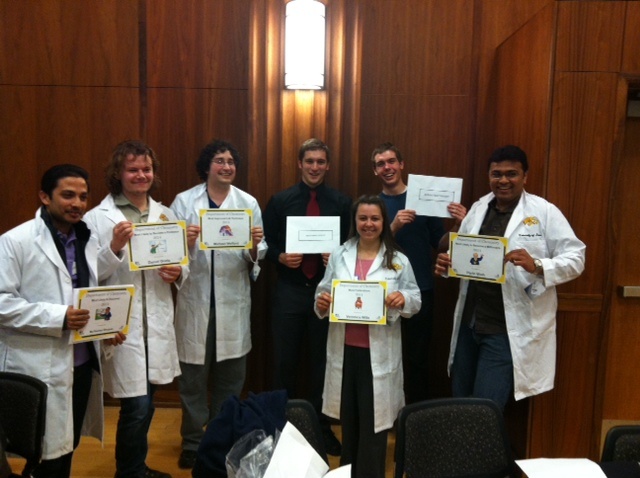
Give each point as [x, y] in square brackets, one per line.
[294, 322]
[417, 236]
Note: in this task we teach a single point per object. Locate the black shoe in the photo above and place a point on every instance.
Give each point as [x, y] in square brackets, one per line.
[187, 459]
[331, 444]
[149, 473]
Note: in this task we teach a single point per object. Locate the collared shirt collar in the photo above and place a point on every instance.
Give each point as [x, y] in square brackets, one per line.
[130, 211]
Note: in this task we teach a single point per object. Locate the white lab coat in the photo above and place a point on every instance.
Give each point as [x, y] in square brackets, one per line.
[231, 284]
[35, 292]
[385, 341]
[530, 301]
[125, 366]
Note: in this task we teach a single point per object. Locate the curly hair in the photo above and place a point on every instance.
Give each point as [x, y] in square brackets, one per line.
[127, 150]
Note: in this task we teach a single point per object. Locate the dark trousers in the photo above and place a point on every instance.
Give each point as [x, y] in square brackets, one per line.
[131, 435]
[416, 335]
[297, 329]
[364, 449]
[61, 467]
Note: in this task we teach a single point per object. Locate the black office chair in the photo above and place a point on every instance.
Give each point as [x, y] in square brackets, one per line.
[304, 417]
[622, 443]
[23, 401]
[456, 437]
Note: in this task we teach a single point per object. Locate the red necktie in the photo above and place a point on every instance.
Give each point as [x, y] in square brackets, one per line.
[310, 261]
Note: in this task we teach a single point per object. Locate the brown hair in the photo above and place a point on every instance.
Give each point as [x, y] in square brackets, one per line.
[122, 152]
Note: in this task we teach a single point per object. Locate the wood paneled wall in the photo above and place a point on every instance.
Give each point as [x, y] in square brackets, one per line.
[445, 80]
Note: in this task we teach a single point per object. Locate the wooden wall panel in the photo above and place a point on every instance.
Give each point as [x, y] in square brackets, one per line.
[433, 139]
[520, 93]
[630, 50]
[579, 169]
[19, 181]
[620, 384]
[198, 43]
[56, 125]
[69, 42]
[561, 420]
[420, 47]
[495, 22]
[264, 119]
[590, 35]
[182, 121]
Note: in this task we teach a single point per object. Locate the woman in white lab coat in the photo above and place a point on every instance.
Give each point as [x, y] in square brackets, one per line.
[363, 381]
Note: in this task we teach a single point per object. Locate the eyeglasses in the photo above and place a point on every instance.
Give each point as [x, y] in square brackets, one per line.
[221, 162]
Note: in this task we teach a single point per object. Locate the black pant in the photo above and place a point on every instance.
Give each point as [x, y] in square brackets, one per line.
[294, 326]
[362, 447]
[416, 335]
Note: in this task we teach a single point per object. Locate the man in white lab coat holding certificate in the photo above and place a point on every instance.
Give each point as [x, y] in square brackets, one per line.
[504, 335]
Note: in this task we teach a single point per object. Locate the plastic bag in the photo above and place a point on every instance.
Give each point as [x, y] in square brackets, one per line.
[249, 457]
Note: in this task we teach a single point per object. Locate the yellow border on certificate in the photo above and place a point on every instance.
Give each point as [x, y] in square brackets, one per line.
[505, 243]
[77, 338]
[185, 253]
[382, 321]
[249, 245]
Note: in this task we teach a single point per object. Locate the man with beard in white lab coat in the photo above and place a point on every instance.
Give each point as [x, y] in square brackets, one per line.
[504, 335]
[214, 304]
[41, 262]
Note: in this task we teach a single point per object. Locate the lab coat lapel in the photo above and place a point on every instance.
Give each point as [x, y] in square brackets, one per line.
[44, 241]
[517, 216]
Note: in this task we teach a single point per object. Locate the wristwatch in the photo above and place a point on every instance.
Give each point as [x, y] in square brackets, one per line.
[539, 269]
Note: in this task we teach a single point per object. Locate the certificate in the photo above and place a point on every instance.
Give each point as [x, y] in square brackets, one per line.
[312, 234]
[477, 257]
[430, 195]
[226, 229]
[158, 244]
[358, 302]
[109, 311]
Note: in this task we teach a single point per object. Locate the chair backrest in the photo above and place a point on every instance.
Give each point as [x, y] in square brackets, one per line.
[622, 443]
[23, 402]
[454, 437]
[304, 417]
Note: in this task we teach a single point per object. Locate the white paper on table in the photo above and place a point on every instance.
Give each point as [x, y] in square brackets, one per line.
[294, 457]
[561, 468]
[430, 195]
[312, 234]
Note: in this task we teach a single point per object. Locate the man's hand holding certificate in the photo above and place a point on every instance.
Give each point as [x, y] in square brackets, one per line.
[312, 234]
[430, 195]
[226, 229]
[154, 245]
[477, 257]
[109, 311]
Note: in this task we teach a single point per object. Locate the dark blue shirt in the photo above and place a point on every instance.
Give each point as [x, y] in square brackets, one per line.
[415, 238]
